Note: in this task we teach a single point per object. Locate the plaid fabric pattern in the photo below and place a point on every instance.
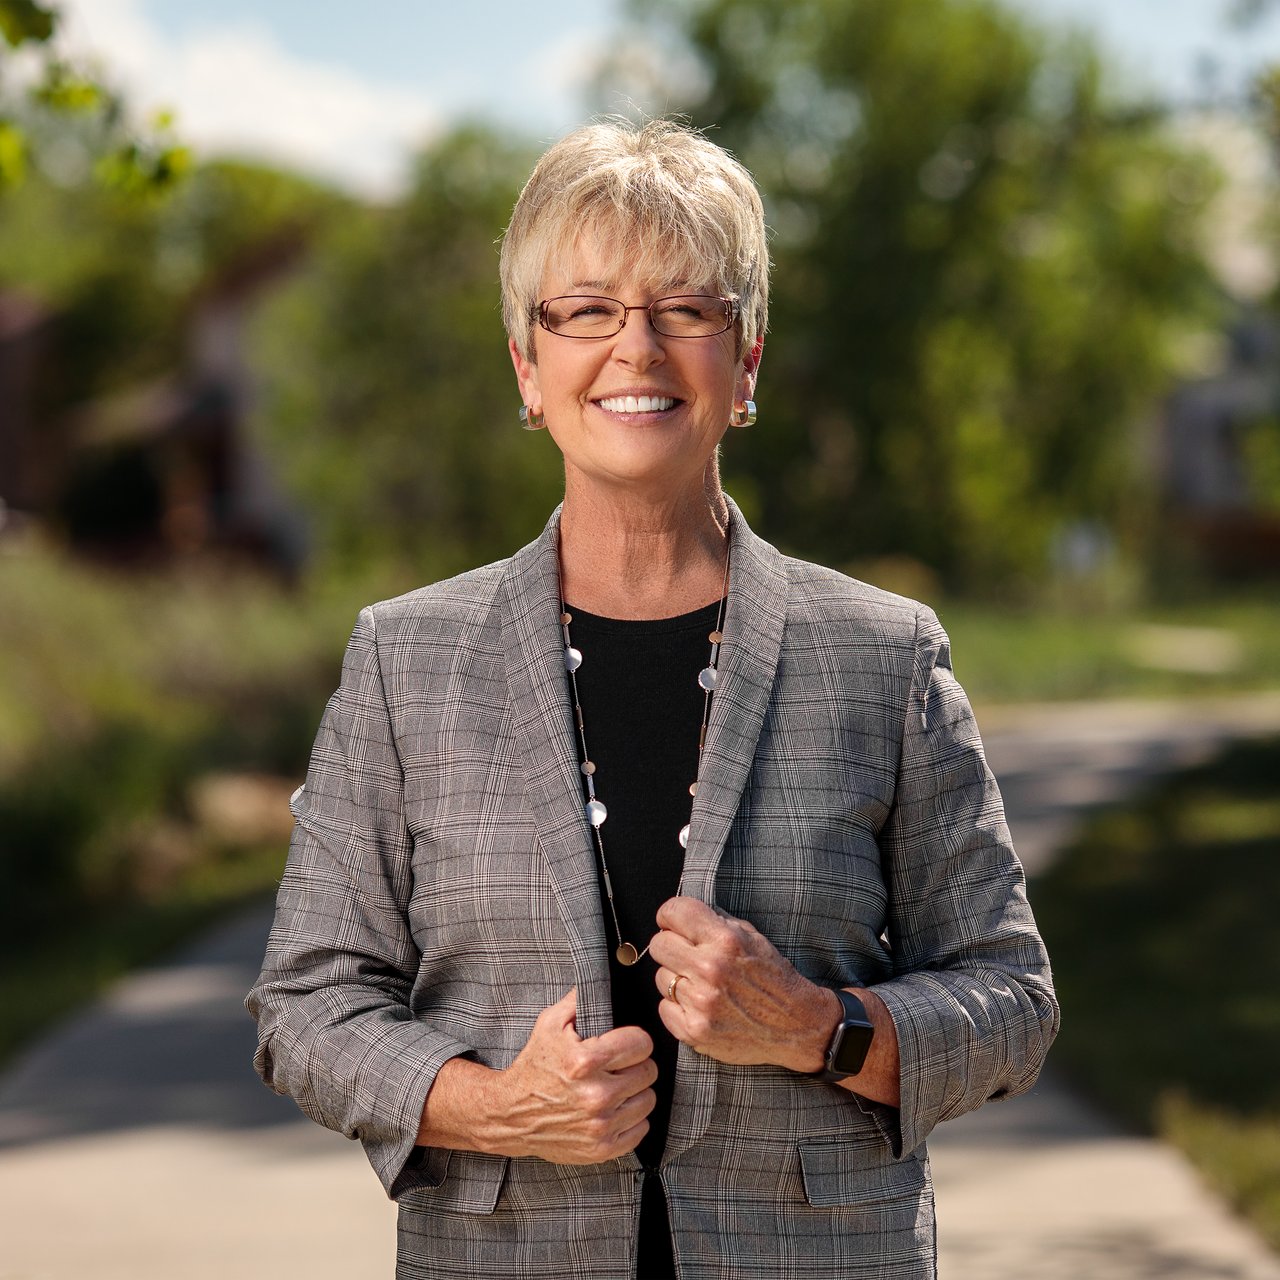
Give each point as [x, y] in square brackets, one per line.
[441, 890]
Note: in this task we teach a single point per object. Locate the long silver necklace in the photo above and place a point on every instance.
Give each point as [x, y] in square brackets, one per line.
[627, 952]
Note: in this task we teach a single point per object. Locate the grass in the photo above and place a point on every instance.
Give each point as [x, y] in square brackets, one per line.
[1221, 646]
[1161, 921]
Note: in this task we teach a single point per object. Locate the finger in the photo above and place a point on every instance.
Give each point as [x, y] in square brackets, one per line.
[673, 951]
[629, 1140]
[635, 1108]
[675, 1020]
[636, 1080]
[621, 1048]
[691, 918]
[668, 982]
[563, 1013]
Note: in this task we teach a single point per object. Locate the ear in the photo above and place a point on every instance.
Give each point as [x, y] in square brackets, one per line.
[751, 367]
[526, 377]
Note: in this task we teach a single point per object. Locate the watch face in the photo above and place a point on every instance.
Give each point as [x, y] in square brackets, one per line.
[850, 1051]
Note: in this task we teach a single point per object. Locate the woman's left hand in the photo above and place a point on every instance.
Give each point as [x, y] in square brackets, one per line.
[731, 995]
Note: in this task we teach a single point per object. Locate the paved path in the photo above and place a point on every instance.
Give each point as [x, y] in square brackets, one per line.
[135, 1143]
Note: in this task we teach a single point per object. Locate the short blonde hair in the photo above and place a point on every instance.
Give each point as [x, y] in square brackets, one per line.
[663, 200]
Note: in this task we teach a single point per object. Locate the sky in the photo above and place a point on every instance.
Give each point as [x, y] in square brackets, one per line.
[348, 91]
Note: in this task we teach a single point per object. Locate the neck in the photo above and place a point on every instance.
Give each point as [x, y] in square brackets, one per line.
[627, 558]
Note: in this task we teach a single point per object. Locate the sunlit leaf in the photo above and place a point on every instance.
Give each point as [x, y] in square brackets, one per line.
[64, 89]
[23, 20]
[13, 154]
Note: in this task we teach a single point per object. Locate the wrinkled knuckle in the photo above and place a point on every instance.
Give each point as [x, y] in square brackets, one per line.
[712, 1005]
[699, 1026]
[594, 1099]
[577, 1067]
[598, 1131]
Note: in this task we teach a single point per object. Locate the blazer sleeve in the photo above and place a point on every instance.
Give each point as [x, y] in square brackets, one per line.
[971, 994]
[332, 1003]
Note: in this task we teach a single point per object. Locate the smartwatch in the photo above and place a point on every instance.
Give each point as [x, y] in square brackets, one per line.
[853, 1034]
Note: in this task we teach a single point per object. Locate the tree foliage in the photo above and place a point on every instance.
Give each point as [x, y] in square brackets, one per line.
[132, 160]
[981, 268]
[389, 399]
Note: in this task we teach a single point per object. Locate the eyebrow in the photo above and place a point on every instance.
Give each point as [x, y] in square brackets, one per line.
[597, 286]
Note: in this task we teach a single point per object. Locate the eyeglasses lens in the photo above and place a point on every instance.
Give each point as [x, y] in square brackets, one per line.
[683, 316]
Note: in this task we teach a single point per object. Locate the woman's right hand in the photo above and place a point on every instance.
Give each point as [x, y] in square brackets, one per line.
[563, 1098]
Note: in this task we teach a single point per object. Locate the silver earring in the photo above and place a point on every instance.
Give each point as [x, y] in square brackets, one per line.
[743, 415]
[531, 421]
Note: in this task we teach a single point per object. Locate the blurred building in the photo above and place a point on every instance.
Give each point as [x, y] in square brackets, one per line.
[1209, 494]
[1210, 497]
[160, 470]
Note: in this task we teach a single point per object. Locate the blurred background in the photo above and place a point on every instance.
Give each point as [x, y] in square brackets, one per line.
[1024, 363]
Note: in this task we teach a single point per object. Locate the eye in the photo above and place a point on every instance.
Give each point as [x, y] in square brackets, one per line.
[682, 308]
[587, 308]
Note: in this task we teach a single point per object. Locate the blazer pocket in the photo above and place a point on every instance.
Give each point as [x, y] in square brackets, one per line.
[857, 1173]
[459, 1181]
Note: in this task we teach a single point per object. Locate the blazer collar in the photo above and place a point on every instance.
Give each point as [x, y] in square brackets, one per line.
[753, 625]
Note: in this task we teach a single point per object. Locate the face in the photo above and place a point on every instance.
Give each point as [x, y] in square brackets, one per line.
[591, 390]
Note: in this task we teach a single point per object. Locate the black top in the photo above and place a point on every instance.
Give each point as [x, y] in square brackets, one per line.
[642, 709]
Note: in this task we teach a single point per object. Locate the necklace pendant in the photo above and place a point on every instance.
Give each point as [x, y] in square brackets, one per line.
[707, 678]
[683, 837]
[627, 954]
[596, 812]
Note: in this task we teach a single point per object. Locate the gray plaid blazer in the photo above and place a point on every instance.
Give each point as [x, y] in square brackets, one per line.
[441, 890]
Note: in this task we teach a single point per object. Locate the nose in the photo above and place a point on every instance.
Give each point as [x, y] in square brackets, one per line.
[637, 343]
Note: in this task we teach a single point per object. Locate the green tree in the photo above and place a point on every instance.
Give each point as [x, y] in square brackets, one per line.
[982, 264]
[60, 95]
[388, 396]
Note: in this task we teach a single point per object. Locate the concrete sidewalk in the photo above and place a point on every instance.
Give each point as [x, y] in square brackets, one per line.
[136, 1143]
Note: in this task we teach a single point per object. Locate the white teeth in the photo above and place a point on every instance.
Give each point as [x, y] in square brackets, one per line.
[637, 404]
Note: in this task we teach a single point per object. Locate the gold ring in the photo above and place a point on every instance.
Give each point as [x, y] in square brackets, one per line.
[671, 986]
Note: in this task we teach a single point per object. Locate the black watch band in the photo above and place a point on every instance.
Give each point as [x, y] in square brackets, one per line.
[851, 1041]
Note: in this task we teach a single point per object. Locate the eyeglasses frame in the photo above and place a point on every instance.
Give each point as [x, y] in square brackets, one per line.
[732, 309]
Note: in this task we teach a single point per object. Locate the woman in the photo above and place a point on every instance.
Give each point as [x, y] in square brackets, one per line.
[650, 900]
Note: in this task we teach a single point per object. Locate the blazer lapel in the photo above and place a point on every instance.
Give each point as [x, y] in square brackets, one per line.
[753, 625]
[543, 720]
[755, 618]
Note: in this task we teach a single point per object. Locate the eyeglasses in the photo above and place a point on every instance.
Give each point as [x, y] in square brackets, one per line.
[686, 315]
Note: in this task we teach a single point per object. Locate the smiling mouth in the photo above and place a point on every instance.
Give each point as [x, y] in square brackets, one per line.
[637, 404]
